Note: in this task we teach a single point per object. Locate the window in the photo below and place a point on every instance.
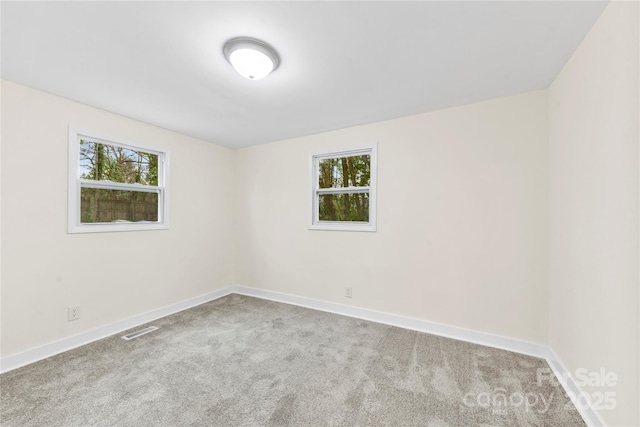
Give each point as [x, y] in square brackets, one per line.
[115, 185]
[344, 190]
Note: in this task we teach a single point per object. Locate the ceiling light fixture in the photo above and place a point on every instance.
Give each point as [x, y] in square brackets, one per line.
[252, 58]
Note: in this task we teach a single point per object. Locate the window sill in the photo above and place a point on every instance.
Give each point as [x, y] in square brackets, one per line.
[341, 226]
[112, 228]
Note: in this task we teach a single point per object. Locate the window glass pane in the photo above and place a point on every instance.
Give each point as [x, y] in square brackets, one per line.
[104, 162]
[100, 205]
[353, 171]
[344, 207]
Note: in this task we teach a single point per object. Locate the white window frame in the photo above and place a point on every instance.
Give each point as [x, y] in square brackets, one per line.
[316, 156]
[76, 184]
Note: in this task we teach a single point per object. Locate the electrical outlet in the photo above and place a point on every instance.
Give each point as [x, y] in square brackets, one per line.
[347, 291]
[73, 313]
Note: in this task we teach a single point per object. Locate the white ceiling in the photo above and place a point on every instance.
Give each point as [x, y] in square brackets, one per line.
[343, 63]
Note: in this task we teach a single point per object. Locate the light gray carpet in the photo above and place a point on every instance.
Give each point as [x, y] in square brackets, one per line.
[245, 361]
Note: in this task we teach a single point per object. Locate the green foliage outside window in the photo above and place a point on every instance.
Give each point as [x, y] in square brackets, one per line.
[104, 162]
[343, 172]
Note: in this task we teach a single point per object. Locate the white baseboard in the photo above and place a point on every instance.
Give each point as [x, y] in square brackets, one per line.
[27, 357]
[532, 349]
[590, 416]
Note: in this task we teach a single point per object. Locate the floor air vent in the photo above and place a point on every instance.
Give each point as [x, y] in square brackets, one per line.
[138, 333]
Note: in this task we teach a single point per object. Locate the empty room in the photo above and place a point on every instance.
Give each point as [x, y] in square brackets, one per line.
[320, 213]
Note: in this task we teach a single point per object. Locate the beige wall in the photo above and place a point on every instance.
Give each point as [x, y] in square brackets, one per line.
[462, 219]
[113, 276]
[593, 130]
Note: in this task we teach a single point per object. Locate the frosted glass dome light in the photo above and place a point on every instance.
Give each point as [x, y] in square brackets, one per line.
[251, 58]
